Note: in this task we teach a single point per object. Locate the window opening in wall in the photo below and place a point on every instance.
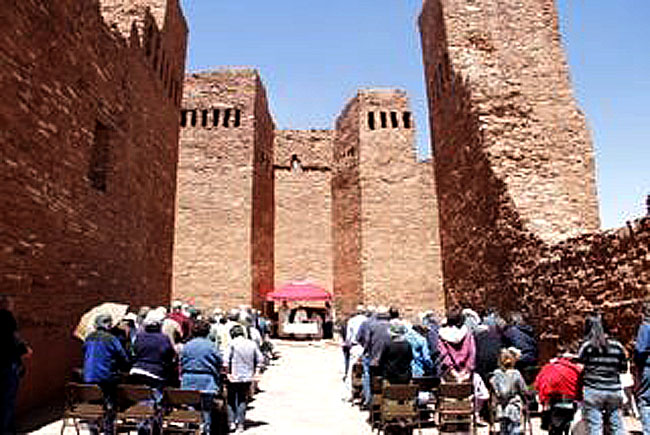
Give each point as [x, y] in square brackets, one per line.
[350, 152]
[99, 157]
[406, 119]
[384, 120]
[237, 121]
[204, 118]
[183, 118]
[215, 117]
[226, 117]
[193, 121]
[295, 164]
[393, 119]
[371, 120]
[170, 89]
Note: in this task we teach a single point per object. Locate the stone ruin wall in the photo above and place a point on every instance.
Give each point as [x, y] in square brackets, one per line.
[515, 172]
[303, 201]
[395, 235]
[346, 211]
[224, 230]
[87, 173]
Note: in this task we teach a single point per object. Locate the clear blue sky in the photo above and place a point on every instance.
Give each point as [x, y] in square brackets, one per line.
[314, 55]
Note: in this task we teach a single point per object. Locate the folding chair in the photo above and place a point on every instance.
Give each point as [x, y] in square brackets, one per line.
[455, 407]
[376, 388]
[136, 404]
[357, 383]
[83, 402]
[399, 406]
[429, 386]
[183, 410]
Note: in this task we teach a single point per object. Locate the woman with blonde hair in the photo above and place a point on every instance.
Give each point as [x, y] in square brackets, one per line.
[509, 387]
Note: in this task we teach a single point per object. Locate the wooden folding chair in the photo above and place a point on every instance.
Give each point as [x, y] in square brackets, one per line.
[376, 389]
[83, 402]
[399, 406]
[182, 410]
[455, 407]
[357, 383]
[136, 404]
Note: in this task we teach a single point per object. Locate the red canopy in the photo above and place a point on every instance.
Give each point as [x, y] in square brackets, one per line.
[299, 291]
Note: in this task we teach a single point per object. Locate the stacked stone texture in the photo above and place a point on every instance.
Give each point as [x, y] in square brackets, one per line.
[396, 234]
[515, 171]
[89, 137]
[303, 199]
[224, 229]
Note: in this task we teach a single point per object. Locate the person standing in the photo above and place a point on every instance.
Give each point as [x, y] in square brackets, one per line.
[242, 359]
[604, 360]
[642, 363]
[12, 359]
[104, 359]
[201, 369]
[509, 388]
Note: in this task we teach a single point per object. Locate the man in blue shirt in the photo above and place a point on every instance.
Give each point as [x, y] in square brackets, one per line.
[104, 358]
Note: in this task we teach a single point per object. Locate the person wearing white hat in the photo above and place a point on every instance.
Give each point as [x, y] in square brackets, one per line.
[355, 348]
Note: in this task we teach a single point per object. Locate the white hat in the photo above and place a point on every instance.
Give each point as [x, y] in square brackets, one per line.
[153, 317]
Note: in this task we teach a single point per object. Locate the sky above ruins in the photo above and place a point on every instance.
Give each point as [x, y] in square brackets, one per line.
[313, 56]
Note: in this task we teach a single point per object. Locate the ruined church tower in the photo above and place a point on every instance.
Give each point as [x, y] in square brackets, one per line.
[224, 228]
[513, 156]
[386, 249]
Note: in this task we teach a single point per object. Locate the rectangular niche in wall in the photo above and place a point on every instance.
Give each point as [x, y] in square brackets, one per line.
[100, 157]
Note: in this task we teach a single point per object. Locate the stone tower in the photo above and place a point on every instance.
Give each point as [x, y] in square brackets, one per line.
[225, 217]
[513, 156]
[384, 208]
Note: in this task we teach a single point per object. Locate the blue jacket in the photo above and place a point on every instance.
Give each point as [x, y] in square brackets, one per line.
[642, 362]
[421, 364]
[523, 338]
[104, 357]
[200, 365]
[155, 354]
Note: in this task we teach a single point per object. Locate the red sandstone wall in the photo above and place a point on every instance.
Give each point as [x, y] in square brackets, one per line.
[223, 252]
[395, 219]
[80, 103]
[400, 250]
[609, 272]
[346, 211]
[513, 157]
[303, 199]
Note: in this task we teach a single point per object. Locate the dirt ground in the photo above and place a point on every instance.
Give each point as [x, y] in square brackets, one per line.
[303, 393]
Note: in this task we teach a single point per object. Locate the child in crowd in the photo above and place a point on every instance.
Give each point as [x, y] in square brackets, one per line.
[509, 387]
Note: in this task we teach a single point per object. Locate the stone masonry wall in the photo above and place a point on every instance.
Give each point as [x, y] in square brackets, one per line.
[303, 199]
[513, 157]
[225, 190]
[346, 211]
[515, 174]
[398, 248]
[89, 138]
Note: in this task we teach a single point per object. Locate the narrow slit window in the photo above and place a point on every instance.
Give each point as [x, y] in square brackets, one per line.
[204, 118]
[149, 40]
[237, 121]
[384, 119]
[162, 65]
[393, 120]
[193, 122]
[226, 117]
[406, 119]
[215, 117]
[99, 157]
[371, 120]
[183, 118]
[155, 52]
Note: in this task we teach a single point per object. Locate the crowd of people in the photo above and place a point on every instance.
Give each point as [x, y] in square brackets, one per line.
[500, 358]
[180, 348]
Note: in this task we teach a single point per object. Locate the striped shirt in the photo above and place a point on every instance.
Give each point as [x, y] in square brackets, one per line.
[603, 368]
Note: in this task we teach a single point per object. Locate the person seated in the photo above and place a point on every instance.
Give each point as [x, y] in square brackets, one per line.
[200, 369]
[396, 356]
[300, 316]
[457, 348]
[421, 365]
[104, 359]
[558, 386]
